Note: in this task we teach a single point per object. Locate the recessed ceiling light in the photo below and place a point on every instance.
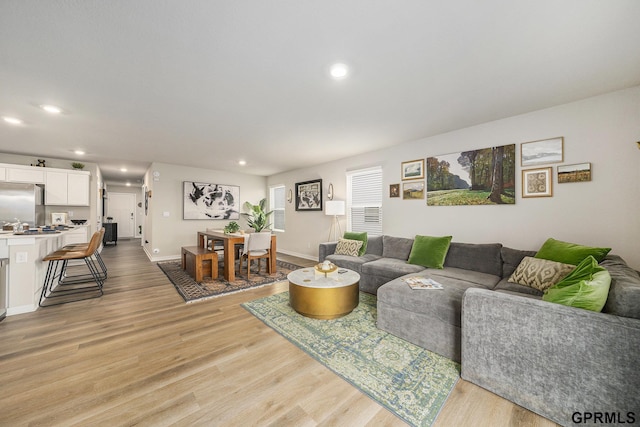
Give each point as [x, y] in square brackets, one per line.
[51, 109]
[128, 184]
[79, 152]
[242, 162]
[123, 169]
[339, 71]
[12, 120]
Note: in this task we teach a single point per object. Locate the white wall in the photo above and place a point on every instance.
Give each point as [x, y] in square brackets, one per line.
[169, 233]
[604, 212]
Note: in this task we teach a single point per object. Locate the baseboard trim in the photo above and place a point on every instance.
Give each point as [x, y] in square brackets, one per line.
[299, 255]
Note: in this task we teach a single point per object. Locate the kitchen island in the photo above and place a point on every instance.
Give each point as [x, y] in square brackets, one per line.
[26, 270]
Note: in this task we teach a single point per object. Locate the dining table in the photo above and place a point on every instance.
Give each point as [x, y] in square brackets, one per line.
[229, 241]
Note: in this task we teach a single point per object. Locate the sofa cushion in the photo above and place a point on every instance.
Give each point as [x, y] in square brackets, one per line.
[429, 251]
[488, 281]
[390, 268]
[585, 287]
[511, 258]
[348, 247]
[443, 304]
[540, 273]
[506, 285]
[624, 292]
[396, 247]
[569, 253]
[351, 262]
[484, 258]
[351, 235]
[374, 245]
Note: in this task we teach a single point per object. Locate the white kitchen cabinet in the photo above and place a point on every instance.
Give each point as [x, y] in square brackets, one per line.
[67, 188]
[77, 235]
[78, 189]
[31, 175]
[3, 174]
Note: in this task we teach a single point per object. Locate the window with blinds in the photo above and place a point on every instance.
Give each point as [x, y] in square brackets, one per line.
[276, 202]
[364, 200]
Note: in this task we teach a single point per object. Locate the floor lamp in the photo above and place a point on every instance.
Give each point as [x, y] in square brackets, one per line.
[335, 208]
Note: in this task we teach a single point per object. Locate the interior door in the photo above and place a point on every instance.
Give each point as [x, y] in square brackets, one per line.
[122, 207]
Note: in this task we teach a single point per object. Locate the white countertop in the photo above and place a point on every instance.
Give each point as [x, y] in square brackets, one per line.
[11, 235]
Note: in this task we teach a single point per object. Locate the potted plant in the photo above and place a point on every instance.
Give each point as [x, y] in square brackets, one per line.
[77, 165]
[232, 227]
[257, 218]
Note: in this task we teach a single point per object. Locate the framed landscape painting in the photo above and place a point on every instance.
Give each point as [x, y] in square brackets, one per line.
[210, 201]
[542, 152]
[309, 195]
[413, 169]
[413, 190]
[476, 177]
[580, 172]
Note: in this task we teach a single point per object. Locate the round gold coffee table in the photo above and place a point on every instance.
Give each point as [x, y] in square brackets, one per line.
[321, 296]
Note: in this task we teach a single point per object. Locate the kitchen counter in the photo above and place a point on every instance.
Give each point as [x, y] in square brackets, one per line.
[26, 269]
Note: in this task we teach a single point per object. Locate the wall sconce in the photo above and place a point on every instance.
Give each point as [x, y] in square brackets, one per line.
[290, 196]
[330, 192]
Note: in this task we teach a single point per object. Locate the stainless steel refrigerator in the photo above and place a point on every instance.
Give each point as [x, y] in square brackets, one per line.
[24, 202]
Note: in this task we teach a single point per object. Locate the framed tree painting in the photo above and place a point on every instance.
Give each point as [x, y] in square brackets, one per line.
[210, 201]
[309, 195]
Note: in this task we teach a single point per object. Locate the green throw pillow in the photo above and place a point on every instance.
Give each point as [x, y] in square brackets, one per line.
[429, 251]
[585, 287]
[569, 253]
[358, 236]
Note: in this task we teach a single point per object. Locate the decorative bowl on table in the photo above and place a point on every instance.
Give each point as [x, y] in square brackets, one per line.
[319, 268]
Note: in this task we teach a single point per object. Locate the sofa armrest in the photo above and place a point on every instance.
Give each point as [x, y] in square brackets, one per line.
[326, 249]
[554, 360]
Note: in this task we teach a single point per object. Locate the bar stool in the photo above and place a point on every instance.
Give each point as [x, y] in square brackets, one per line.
[79, 247]
[58, 261]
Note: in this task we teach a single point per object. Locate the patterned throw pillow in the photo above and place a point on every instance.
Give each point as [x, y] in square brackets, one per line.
[540, 274]
[348, 247]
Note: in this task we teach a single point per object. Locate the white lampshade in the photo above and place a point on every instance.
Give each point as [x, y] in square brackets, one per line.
[334, 207]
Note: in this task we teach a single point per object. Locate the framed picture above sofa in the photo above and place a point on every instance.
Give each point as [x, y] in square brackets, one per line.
[537, 182]
[309, 195]
[413, 169]
[210, 201]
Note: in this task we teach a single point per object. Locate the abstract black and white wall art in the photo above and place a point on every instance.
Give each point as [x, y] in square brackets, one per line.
[210, 201]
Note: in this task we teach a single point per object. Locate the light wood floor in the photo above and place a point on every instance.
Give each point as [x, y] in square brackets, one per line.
[141, 356]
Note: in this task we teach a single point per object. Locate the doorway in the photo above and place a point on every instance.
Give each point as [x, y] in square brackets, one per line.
[122, 208]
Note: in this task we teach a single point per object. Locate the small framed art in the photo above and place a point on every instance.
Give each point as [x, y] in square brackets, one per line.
[537, 182]
[59, 218]
[413, 169]
[413, 190]
[394, 190]
[580, 172]
[542, 152]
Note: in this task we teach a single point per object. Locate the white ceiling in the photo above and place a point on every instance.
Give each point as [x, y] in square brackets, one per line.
[206, 83]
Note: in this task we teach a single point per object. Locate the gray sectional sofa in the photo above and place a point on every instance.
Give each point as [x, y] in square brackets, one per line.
[554, 360]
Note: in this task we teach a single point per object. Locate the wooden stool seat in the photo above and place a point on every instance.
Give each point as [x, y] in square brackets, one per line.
[199, 262]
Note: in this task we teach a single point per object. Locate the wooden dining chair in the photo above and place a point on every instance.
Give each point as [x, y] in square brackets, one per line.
[256, 246]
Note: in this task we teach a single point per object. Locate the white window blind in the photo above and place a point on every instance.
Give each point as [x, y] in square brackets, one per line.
[277, 205]
[364, 200]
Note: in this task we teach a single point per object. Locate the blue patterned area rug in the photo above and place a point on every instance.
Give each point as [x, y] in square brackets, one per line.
[410, 381]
